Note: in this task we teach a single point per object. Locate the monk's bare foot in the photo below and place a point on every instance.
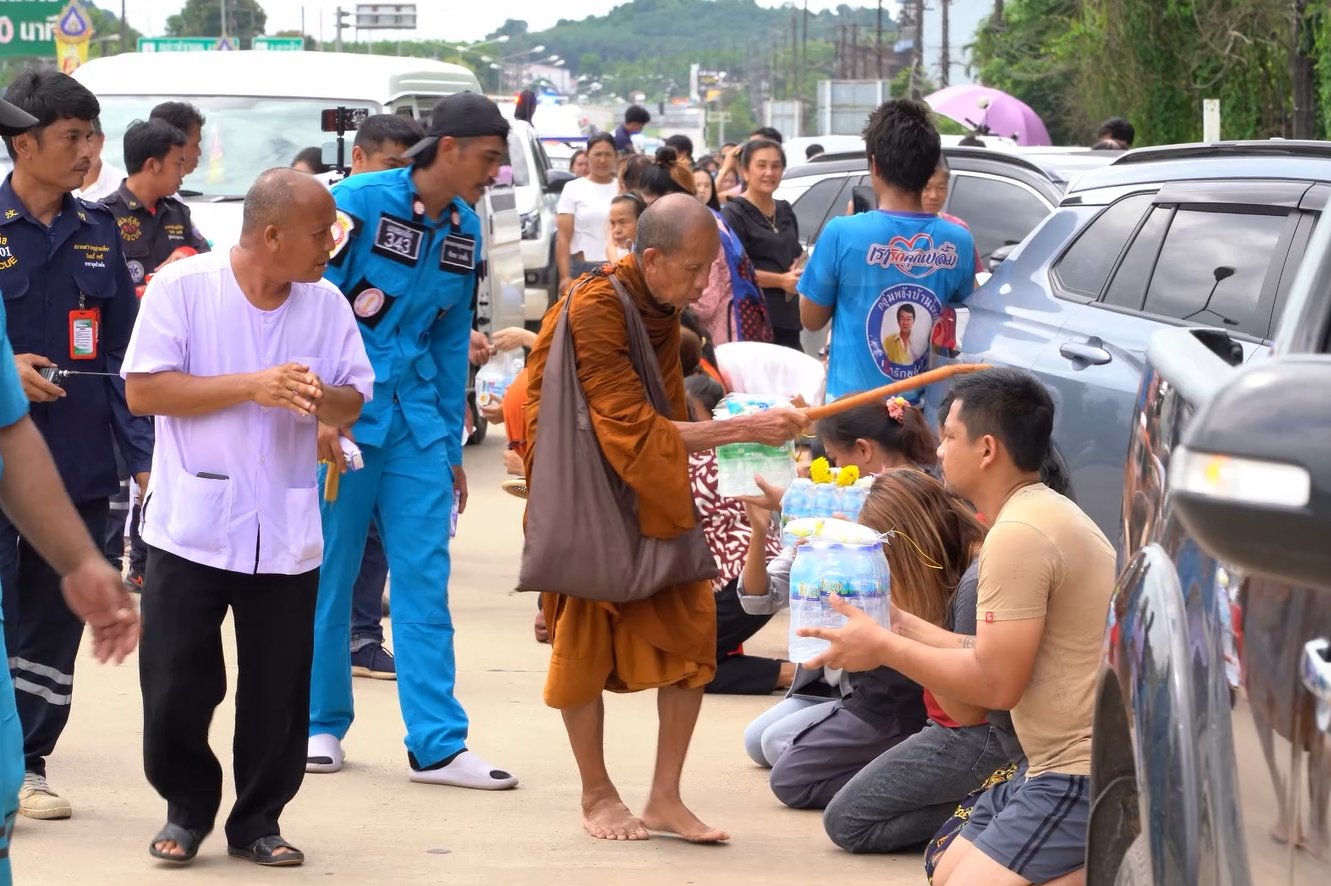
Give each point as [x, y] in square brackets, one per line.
[607, 818]
[170, 847]
[673, 817]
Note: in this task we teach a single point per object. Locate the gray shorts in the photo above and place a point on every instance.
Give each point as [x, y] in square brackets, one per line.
[1034, 827]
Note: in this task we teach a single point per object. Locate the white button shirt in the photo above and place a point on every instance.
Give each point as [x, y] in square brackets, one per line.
[236, 489]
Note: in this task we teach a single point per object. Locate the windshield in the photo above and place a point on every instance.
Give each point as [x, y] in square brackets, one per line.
[244, 135]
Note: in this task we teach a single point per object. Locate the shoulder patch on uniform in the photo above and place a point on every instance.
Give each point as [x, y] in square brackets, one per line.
[343, 229]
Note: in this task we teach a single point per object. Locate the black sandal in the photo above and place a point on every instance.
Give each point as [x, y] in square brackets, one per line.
[261, 852]
[188, 839]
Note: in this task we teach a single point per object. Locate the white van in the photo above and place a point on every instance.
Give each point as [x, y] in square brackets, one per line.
[263, 108]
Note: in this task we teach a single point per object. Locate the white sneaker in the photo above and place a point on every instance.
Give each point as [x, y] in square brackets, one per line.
[467, 771]
[37, 799]
[324, 753]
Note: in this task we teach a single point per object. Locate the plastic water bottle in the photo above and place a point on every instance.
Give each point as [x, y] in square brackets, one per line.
[852, 502]
[493, 379]
[737, 463]
[806, 601]
[797, 503]
[826, 498]
[858, 574]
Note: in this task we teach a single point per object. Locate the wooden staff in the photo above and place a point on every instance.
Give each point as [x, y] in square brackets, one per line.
[878, 395]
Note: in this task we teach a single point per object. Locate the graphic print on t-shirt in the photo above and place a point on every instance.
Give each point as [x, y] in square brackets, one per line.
[901, 319]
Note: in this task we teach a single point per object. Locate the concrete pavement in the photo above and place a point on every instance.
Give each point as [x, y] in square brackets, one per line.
[369, 824]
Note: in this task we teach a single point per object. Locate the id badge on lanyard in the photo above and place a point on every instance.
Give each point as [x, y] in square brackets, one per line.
[85, 331]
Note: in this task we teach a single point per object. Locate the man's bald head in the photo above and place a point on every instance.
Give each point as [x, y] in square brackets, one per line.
[279, 192]
[288, 223]
[671, 222]
[677, 243]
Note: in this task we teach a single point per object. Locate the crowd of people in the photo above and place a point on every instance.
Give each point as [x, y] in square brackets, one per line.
[335, 339]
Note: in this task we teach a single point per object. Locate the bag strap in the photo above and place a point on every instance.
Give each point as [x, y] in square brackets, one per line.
[641, 352]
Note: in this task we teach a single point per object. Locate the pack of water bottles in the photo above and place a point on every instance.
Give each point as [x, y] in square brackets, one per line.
[805, 499]
[737, 463]
[494, 378]
[857, 573]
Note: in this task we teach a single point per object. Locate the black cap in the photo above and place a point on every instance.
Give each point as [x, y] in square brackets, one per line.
[463, 115]
[14, 120]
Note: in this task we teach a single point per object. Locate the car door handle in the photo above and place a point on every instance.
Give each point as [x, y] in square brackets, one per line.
[1091, 354]
[1317, 679]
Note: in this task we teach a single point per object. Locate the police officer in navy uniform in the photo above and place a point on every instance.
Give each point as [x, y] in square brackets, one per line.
[155, 225]
[155, 230]
[69, 304]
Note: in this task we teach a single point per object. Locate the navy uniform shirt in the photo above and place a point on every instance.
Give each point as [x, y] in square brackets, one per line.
[411, 281]
[150, 235]
[46, 274]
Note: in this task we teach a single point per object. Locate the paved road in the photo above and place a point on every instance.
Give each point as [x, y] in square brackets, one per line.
[369, 824]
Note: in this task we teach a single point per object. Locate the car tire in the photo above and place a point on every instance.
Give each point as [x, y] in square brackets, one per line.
[1135, 868]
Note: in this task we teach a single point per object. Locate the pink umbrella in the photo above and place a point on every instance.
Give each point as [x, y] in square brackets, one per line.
[990, 112]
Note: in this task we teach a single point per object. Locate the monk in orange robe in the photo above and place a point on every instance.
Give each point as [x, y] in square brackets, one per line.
[668, 641]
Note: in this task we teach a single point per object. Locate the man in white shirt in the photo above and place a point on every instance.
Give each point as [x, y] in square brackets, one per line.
[239, 354]
[102, 179]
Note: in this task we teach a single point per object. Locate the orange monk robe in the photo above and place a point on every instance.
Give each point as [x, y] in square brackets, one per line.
[669, 639]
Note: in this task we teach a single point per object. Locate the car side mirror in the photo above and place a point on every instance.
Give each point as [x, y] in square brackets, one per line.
[999, 255]
[555, 179]
[1252, 480]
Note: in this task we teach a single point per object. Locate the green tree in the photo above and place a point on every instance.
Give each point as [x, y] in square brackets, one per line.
[106, 25]
[590, 63]
[203, 18]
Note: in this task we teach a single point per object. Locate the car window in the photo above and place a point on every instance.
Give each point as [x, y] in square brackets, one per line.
[1129, 283]
[1086, 265]
[998, 212]
[1212, 268]
[813, 205]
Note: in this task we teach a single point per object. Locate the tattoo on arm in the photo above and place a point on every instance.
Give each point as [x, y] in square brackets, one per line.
[967, 642]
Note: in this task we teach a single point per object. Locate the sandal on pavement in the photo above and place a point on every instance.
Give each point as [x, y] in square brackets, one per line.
[262, 850]
[188, 839]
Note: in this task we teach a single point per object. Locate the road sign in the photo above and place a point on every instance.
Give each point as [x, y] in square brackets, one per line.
[178, 44]
[386, 16]
[27, 27]
[279, 44]
[225, 44]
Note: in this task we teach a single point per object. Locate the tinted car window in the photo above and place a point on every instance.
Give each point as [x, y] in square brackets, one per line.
[997, 212]
[1086, 265]
[812, 206]
[1129, 281]
[1201, 245]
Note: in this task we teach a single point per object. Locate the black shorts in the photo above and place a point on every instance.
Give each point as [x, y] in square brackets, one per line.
[1034, 827]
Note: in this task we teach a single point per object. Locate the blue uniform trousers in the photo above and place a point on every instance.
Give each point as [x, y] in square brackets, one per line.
[408, 489]
[11, 763]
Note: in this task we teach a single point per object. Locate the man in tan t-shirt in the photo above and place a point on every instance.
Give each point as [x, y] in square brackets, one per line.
[1046, 575]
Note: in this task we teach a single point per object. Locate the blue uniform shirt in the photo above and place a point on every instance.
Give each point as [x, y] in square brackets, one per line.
[887, 277]
[13, 402]
[46, 273]
[410, 281]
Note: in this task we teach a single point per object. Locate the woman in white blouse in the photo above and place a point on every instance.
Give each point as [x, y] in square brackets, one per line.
[584, 212]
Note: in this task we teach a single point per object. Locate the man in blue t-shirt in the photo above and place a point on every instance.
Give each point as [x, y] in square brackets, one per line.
[884, 277]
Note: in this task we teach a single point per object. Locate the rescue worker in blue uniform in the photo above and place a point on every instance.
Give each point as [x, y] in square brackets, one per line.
[70, 305]
[407, 257]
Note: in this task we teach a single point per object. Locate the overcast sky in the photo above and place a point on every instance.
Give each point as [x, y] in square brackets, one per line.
[464, 20]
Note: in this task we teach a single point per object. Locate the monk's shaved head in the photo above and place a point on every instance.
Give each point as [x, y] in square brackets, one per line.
[677, 242]
[288, 225]
[277, 194]
[671, 222]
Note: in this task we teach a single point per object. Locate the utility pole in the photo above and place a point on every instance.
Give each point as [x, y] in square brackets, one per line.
[224, 30]
[337, 29]
[855, 52]
[915, 90]
[998, 12]
[804, 40]
[945, 54]
[1302, 73]
[794, 56]
[880, 39]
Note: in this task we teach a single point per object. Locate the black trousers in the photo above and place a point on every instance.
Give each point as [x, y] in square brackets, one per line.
[740, 674]
[115, 532]
[42, 637]
[183, 678]
[788, 338]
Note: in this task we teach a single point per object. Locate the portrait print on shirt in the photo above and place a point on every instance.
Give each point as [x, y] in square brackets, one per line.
[887, 277]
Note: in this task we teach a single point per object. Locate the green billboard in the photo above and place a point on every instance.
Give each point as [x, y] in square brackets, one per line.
[27, 27]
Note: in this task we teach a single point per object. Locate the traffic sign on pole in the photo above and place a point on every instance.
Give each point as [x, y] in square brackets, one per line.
[279, 44]
[178, 44]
